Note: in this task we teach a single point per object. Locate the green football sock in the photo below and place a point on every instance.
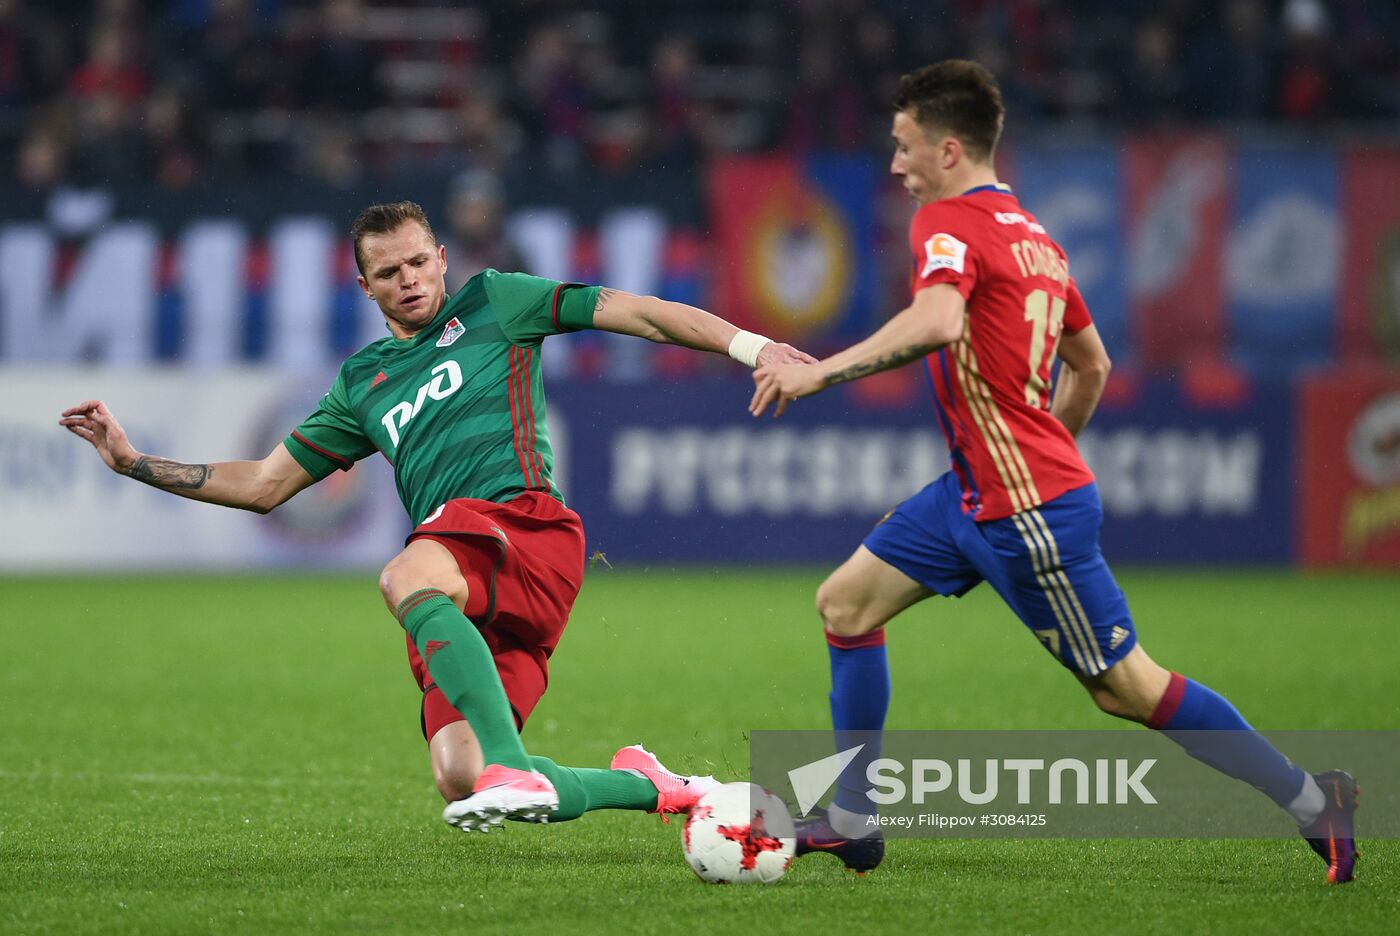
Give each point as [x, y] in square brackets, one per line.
[583, 789]
[461, 665]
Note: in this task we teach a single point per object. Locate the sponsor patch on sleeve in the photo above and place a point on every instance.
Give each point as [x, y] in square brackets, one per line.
[944, 252]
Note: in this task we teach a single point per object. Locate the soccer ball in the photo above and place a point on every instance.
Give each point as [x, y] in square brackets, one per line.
[739, 833]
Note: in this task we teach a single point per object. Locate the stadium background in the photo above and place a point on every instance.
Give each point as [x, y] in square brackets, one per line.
[180, 177]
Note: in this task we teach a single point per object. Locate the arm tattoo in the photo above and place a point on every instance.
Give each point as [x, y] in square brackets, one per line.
[604, 294]
[170, 475]
[893, 359]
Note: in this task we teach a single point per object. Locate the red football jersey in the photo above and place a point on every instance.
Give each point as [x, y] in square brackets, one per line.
[992, 386]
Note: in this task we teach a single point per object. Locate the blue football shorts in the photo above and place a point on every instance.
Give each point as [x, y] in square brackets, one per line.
[1045, 563]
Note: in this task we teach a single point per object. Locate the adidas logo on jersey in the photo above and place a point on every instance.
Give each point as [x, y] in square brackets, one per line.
[379, 378]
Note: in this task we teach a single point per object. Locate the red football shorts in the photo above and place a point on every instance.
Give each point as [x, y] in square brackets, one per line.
[523, 562]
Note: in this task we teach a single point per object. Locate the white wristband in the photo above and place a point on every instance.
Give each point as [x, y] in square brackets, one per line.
[745, 347]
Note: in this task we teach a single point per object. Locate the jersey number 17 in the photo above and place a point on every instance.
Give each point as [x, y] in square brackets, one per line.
[1045, 313]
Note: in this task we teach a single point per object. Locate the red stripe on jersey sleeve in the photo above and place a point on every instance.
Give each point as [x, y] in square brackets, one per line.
[535, 459]
[515, 416]
[554, 307]
[344, 463]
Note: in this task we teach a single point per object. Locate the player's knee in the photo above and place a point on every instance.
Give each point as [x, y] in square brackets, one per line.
[842, 613]
[1109, 702]
[1131, 688]
[829, 606]
[393, 582]
[1128, 701]
[403, 576]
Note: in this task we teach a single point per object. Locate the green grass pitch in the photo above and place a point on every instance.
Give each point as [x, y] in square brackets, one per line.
[241, 755]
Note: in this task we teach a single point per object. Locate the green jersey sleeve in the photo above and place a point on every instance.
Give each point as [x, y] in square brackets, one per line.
[330, 438]
[531, 308]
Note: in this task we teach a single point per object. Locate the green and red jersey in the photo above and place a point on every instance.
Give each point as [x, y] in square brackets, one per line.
[459, 408]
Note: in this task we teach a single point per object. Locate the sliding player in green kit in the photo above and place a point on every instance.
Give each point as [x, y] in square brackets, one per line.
[453, 399]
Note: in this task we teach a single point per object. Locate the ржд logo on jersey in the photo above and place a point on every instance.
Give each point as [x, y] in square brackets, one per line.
[447, 380]
[944, 251]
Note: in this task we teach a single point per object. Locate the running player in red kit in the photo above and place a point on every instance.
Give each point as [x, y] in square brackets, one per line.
[993, 305]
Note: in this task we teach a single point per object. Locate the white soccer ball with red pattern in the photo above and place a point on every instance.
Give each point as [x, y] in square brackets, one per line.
[739, 833]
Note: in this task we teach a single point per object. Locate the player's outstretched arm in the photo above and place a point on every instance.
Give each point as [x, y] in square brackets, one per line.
[934, 319]
[249, 485]
[677, 323]
[1082, 379]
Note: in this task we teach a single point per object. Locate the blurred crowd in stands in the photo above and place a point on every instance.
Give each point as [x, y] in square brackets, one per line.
[181, 92]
